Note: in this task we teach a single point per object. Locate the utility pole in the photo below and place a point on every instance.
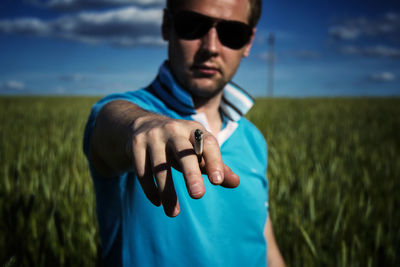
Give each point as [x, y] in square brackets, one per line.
[271, 62]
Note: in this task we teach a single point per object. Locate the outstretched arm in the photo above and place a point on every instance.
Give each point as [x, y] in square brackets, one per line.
[127, 137]
[274, 256]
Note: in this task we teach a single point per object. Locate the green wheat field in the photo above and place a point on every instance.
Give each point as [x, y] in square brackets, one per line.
[334, 176]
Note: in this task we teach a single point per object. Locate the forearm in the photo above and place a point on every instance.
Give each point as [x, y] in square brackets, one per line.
[274, 256]
[113, 129]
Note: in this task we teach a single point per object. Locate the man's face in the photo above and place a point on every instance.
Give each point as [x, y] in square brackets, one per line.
[203, 66]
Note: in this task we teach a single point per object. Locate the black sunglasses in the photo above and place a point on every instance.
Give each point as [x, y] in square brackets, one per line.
[190, 25]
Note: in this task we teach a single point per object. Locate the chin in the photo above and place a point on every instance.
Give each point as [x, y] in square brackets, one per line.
[206, 88]
[205, 92]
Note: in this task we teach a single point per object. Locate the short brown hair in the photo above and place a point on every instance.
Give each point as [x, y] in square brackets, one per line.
[254, 16]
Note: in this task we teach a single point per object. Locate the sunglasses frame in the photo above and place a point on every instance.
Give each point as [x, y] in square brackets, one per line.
[229, 41]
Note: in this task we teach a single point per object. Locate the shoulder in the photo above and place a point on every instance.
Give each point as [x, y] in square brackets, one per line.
[141, 97]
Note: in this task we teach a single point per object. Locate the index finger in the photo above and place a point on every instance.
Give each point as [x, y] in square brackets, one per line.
[217, 171]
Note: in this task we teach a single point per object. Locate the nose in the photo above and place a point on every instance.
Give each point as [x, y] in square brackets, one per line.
[210, 41]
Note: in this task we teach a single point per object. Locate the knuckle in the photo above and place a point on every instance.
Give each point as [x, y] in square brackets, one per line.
[196, 124]
[137, 123]
[192, 175]
[173, 126]
[153, 134]
[137, 140]
[210, 140]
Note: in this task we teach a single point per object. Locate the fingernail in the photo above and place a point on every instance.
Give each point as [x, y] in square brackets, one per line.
[216, 177]
[195, 189]
[176, 211]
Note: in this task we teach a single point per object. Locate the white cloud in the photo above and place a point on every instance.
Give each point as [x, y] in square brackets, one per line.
[75, 5]
[392, 17]
[382, 77]
[372, 51]
[25, 26]
[386, 26]
[344, 33]
[12, 86]
[127, 26]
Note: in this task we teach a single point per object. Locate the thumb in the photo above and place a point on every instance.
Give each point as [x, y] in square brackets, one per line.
[231, 180]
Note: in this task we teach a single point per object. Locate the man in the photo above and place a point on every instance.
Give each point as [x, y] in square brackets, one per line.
[140, 149]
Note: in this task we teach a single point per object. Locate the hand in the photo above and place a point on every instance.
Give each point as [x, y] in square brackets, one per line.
[159, 143]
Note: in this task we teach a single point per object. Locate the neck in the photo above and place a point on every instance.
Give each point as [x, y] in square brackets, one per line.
[210, 107]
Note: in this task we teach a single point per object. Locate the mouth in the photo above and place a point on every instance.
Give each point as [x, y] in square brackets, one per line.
[205, 70]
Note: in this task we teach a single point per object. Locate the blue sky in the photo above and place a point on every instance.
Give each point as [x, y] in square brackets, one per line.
[96, 47]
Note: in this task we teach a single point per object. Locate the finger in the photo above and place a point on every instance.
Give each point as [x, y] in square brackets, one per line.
[143, 170]
[162, 173]
[189, 166]
[169, 198]
[139, 155]
[231, 179]
[213, 163]
[148, 185]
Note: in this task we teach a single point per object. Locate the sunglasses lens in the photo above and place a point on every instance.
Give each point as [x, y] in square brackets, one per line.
[190, 26]
[234, 34]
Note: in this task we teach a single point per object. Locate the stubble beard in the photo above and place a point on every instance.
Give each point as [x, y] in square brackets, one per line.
[204, 87]
[207, 92]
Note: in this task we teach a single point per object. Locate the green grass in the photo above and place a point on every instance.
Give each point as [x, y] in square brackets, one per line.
[46, 195]
[334, 177]
[334, 171]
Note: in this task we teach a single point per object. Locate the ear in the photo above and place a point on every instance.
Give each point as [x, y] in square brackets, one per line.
[165, 27]
[247, 48]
